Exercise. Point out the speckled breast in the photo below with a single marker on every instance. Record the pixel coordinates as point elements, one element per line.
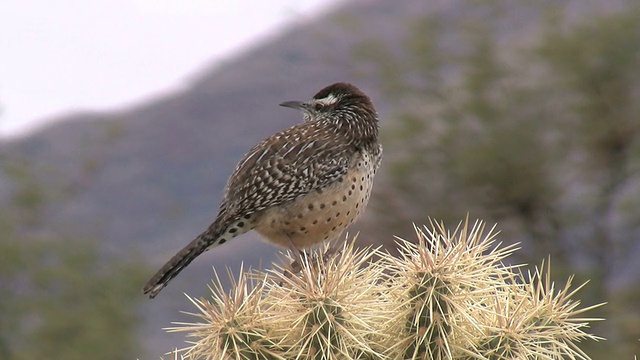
<point>324,213</point>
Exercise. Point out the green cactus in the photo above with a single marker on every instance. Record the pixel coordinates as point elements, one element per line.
<point>446,296</point>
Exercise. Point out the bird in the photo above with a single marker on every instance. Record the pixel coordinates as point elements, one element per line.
<point>300,187</point>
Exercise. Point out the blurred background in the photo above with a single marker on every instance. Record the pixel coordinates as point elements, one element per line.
<point>121,122</point>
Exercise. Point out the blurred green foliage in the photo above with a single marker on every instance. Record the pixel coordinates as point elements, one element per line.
<point>61,297</point>
<point>537,130</point>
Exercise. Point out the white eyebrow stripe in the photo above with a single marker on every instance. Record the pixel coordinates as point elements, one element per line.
<point>328,100</point>
<point>331,99</point>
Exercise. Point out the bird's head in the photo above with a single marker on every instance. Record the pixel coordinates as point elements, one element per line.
<point>341,104</point>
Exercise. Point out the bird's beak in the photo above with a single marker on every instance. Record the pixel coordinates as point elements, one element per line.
<point>295,105</point>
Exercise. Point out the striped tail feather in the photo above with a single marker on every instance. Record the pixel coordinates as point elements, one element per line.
<point>176,264</point>
<point>215,235</point>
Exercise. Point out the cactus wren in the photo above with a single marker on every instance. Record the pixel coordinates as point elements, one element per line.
<point>300,187</point>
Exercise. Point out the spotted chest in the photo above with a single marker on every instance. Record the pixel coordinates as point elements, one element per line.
<point>323,213</point>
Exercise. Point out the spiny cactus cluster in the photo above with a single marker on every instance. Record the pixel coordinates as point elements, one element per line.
<point>446,296</point>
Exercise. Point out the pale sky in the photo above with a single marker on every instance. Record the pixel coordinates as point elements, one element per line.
<point>61,56</point>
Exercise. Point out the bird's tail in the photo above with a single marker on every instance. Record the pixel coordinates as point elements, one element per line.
<point>178,262</point>
<point>217,234</point>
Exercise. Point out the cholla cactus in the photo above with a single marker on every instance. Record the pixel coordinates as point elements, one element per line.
<point>441,286</point>
<point>535,321</point>
<point>331,309</point>
<point>234,324</point>
<point>447,296</point>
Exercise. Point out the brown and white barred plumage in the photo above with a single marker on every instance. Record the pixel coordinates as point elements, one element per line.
<point>300,186</point>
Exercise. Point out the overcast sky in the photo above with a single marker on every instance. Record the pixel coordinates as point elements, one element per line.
<point>60,56</point>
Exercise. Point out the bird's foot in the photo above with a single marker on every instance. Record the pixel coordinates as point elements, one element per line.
<point>296,265</point>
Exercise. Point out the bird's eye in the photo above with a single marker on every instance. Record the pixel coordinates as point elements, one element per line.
<point>318,106</point>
